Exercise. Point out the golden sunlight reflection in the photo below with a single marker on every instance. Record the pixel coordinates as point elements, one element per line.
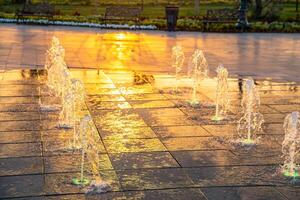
<point>120,36</point>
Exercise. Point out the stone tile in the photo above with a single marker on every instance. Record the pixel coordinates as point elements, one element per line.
<point>62,146</point>
<point>56,135</point>
<point>31,198</point>
<point>281,100</point>
<point>171,194</point>
<point>259,158</point>
<point>292,193</point>
<point>164,117</point>
<point>204,158</point>
<point>136,89</point>
<point>274,118</point>
<point>246,193</point>
<point>18,93</point>
<point>142,160</point>
<point>21,166</point>
<point>103,196</point>
<point>94,99</point>
<point>221,130</point>
<point>20,150</point>
<point>13,186</point>
<point>105,91</point>
<point>192,143</point>
<point>22,88</point>
<point>114,119</point>
<point>235,176</point>
<point>19,126</point>
<point>19,136</point>
<point>66,197</point>
<point>72,163</point>
<point>263,109</point>
<point>18,100</point>
<point>109,105</point>
<point>133,145</point>
<point>152,104</point>
<point>91,76</point>
<point>286,108</point>
<point>180,131</point>
<point>96,86</point>
<point>145,179</point>
<point>129,132</point>
<point>16,116</point>
<point>273,129</point>
<point>56,184</point>
<point>203,116</point>
<point>18,108</point>
<point>145,97</point>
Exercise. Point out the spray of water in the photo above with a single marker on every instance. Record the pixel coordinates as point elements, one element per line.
<point>55,65</point>
<point>251,122</point>
<point>222,99</point>
<point>198,70</point>
<point>291,145</point>
<point>78,104</point>
<point>67,114</point>
<point>177,63</point>
<point>89,157</point>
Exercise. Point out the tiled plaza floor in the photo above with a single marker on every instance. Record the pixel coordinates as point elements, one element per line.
<point>152,145</point>
<point>255,54</point>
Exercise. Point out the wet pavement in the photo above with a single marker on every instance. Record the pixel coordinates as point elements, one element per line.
<point>256,54</point>
<point>152,146</point>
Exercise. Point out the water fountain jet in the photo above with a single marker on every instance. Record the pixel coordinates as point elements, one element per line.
<point>89,155</point>
<point>291,145</point>
<point>198,70</point>
<point>222,99</point>
<point>177,63</point>
<point>251,122</point>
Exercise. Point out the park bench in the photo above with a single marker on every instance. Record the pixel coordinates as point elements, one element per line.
<point>122,13</point>
<point>36,10</point>
<point>220,16</point>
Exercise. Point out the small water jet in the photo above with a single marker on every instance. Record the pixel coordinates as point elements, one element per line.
<point>67,114</point>
<point>54,66</point>
<point>177,63</point>
<point>89,156</point>
<point>291,145</point>
<point>222,99</point>
<point>251,122</point>
<point>78,105</point>
<point>198,70</point>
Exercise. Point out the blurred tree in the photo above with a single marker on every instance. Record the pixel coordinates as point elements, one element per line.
<point>258,8</point>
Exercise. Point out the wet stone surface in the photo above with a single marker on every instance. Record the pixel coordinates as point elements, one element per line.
<point>153,145</point>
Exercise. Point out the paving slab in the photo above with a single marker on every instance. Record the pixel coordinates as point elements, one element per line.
<point>142,179</point>
<point>20,150</point>
<point>164,117</point>
<point>205,158</point>
<point>21,166</point>
<point>192,143</point>
<point>134,145</point>
<point>180,131</point>
<point>56,184</point>
<point>290,192</point>
<point>20,137</point>
<point>72,163</point>
<point>245,193</point>
<point>19,126</point>
<point>143,160</point>
<point>13,186</point>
